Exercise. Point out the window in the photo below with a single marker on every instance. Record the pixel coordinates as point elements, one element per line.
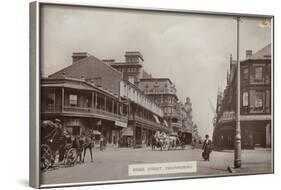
<point>258,73</point>
<point>268,101</point>
<point>259,100</point>
<point>73,100</point>
<point>245,73</point>
<point>245,99</point>
<point>51,98</point>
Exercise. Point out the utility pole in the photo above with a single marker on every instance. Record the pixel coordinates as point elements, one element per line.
<point>237,151</point>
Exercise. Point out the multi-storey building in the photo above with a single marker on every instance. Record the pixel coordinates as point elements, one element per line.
<point>176,114</point>
<point>255,104</point>
<point>163,92</point>
<point>82,105</point>
<point>91,94</point>
<point>132,69</point>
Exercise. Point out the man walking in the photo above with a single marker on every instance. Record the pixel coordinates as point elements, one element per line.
<point>88,145</point>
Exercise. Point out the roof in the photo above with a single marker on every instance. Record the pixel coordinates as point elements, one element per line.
<point>123,64</point>
<point>84,67</point>
<point>74,84</point>
<point>155,79</point>
<point>91,68</point>
<point>264,54</point>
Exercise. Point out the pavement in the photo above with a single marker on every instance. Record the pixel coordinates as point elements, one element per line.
<point>112,164</point>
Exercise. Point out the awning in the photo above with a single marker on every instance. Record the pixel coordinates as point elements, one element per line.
<point>121,124</point>
<point>184,130</point>
<point>156,119</point>
<point>96,132</point>
<point>127,132</point>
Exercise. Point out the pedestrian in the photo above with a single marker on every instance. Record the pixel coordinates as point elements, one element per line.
<point>207,148</point>
<point>76,144</point>
<point>101,142</point>
<point>193,143</point>
<point>221,143</point>
<point>61,139</point>
<point>88,145</point>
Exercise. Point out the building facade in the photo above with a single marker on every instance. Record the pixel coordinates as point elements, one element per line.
<point>176,115</point>
<point>90,94</point>
<point>82,106</point>
<point>255,107</point>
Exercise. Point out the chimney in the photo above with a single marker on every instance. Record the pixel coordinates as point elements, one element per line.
<point>248,53</point>
<point>76,56</point>
<point>108,61</point>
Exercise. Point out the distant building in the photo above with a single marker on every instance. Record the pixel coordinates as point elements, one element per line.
<point>176,114</point>
<point>255,103</point>
<point>160,90</point>
<point>163,92</point>
<point>132,68</point>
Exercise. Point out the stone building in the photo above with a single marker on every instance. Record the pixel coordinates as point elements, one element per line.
<point>255,107</point>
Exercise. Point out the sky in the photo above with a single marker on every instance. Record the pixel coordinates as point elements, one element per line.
<point>192,50</point>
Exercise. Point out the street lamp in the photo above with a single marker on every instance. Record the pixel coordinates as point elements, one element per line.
<point>237,151</point>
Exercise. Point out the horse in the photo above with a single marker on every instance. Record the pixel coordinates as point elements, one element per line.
<point>160,141</point>
<point>54,139</point>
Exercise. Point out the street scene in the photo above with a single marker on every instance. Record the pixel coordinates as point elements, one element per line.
<point>153,99</point>
<point>258,161</point>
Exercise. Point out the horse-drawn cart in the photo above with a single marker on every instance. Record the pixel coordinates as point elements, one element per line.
<point>54,140</point>
<point>166,142</point>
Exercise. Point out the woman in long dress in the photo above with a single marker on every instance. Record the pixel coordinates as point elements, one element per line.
<point>207,148</point>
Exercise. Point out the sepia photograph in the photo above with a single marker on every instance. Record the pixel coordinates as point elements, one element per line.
<point>131,94</point>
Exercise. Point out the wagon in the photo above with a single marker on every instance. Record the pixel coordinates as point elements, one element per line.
<point>53,140</point>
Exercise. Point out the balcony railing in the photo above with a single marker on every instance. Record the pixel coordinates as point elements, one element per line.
<point>83,110</point>
<point>51,108</point>
<point>146,121</point>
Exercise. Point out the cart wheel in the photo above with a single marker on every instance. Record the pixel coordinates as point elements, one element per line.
<point>46,157</point>
<point>71,157</point>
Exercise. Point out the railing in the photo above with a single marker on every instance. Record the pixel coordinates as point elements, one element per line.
<point>146,121</point>
<point>94,111</point>
<point>51,108</point>
<point>83,110</point>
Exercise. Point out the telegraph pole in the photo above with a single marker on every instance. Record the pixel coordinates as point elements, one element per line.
<point>237,151</point>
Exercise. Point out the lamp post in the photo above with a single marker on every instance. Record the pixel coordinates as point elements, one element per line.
<point>237,151</point>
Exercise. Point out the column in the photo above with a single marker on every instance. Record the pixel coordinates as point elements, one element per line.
<point>112,106</point>
<point>96,100</point>
<point>104,103</point>
<point>268,135</point>
<point>93,100</point>
<point>62,99</point>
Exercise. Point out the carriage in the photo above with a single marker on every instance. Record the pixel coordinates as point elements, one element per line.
<point>54,140</point>
<point>167,142</point>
